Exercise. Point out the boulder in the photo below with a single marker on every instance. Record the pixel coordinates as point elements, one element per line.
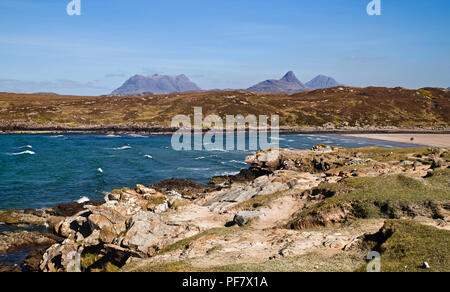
<point>65,257</point>
<point>139,236</point>
<point>267,159</point>
<point>243,217</point>
<point>406,163</point>
<point>143,190</point>
<point>437,163</point>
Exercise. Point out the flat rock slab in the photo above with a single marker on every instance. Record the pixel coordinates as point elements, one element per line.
<point>10,241</point>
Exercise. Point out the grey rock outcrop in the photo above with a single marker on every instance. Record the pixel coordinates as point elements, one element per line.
<point>129,223</point>
<point>243,217</point>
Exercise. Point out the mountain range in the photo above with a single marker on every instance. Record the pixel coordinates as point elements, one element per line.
<point>290,84</point>
<point>165,84</point>
<point>156,84</point>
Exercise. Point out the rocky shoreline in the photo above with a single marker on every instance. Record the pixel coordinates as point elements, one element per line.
<point>28,129</point>
<point>272,211</point>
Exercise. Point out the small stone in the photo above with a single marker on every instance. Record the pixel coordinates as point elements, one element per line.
<point>143,190</point>
<point>283,252</point>
<point>426,265</point>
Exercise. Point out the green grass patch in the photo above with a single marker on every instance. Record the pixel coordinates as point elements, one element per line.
<point>398,154</point>
<point>405,245</point>
<point>385,196</point>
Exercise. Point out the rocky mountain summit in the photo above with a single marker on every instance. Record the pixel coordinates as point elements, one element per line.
<point>156,84</point>
<point>271,217</point>
<point>322,81</point>
<point>290,84</point>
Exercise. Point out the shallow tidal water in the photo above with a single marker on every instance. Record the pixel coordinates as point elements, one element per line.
<point>39,170</point>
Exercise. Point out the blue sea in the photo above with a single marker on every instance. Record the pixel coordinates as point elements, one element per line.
<point>43,170</point>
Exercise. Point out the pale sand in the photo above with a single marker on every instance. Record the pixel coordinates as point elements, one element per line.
<point>435,140</point>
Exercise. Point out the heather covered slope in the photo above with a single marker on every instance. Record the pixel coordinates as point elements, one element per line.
<point>340,107</point>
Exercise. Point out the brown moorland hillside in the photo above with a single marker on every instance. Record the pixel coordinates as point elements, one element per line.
<point>338,107</point>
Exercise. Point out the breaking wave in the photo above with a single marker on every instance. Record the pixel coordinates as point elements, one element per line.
<point>122,148</point>
<point>23,153</point>
<point>82,200</point>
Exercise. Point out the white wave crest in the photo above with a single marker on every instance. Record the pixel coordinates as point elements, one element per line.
<point>24,152</point>
<point>27,146</point>
<point>239,162</point>
<point>148,156</point>
<point>194,168</point>
<point>122,148</point>
<point>228,173</point>
<point>82,200</point>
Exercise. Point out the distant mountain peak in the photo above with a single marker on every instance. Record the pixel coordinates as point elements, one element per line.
<point>157,84</point>
<point>322,81</point>
<point>287,84</point>
<point>290,77</point>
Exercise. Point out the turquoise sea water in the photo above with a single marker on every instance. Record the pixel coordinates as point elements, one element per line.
<point>44,170</point>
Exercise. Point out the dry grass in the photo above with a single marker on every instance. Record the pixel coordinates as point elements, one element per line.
<point>341,107</point>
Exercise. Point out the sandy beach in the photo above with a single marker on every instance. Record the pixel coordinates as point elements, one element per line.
<point>436,140</point>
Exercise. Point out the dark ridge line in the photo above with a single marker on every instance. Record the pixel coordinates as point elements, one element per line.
<point>169,131</point>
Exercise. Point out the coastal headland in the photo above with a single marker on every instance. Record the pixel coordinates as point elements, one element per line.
<point>322,209</point>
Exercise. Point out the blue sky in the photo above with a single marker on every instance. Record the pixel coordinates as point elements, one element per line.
<point>221,44</point>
